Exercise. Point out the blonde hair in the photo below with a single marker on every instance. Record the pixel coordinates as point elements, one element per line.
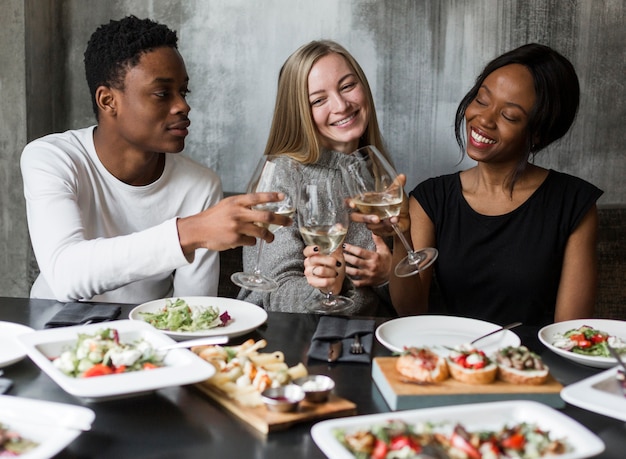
<point>293,131</point>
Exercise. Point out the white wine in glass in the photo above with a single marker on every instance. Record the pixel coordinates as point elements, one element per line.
<point>271,170</point>
<point>323,220</point>
<point>375,190</point>
<point>327,238</point>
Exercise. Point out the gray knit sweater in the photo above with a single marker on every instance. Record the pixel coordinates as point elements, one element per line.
<point>283,260</point>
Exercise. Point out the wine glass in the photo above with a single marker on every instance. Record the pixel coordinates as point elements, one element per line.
<point>323,220</point>
<point>271,171</point>
<point>375,190</point>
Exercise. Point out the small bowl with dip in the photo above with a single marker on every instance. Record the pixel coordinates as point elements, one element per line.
<point>283,398</point>
<point>316,388</point>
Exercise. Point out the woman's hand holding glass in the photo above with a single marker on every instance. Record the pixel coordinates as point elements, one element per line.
<point>323,220</point>
<point>324,272</point>
<point>368,268</point>
<point>377,190</point>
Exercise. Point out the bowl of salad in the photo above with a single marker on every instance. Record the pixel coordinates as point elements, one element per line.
<point>585,341</point>
<point>112,359</point>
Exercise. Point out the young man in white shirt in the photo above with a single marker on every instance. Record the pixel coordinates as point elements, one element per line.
<point>115,213</point>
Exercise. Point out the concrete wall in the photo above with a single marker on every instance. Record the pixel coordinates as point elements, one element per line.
<point>421,56</point>
<point>14,242</point>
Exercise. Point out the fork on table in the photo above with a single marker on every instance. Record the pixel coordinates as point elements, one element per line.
<point>356,347</point>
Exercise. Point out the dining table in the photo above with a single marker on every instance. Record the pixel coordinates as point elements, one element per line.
<point>182,422</point>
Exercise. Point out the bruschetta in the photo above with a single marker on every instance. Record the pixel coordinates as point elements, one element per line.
<point>519,365</point>
<point>471,366</point>
<point>422,365</point>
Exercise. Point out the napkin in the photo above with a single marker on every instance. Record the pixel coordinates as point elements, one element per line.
<point>330,329</point>
<point>80,313</point>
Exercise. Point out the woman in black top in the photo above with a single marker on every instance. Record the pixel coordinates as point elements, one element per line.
<point>516,241</point>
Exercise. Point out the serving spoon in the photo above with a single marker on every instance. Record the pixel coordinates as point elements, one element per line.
<point>498,330</point>
<point>615,354</point>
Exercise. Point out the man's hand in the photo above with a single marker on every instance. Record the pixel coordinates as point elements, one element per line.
<point>230,223</point>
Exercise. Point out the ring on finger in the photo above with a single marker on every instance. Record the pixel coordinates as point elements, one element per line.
<point>313,270</point>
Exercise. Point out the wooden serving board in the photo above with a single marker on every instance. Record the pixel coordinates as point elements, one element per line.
<point>267,421</point>
<point>401,395</point>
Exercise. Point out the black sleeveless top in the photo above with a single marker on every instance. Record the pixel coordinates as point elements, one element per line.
<point>504,268</point>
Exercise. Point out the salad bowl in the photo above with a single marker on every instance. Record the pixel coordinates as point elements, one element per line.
<point>179,366</point>
<point>551,334</point>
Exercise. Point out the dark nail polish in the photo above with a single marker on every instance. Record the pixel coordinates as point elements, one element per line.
<point>316,249</point>
<point>338,264</point>
<point>343,246</point>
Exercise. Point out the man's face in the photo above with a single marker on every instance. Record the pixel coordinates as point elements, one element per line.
<point>151,110</point>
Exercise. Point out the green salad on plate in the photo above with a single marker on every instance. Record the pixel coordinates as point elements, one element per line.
<point>179,316</point>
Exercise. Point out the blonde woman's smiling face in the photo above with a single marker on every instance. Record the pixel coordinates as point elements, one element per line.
<point>338,103</point>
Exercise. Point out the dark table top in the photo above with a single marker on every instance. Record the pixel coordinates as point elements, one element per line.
<point>181,422</point>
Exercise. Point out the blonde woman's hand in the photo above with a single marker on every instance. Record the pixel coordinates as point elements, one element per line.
<point>324,272</point>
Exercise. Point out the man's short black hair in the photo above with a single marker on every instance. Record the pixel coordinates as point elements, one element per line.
<point>117,46</point>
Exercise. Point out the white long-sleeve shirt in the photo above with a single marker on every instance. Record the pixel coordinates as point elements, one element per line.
<point>97,238</point>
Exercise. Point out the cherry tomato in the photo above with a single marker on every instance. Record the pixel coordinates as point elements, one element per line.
<point>577,337</point>
<point>461,360</point>
<point>584,343</point>
<point>599,338</point>
<point>149,366</point>
<point>98,369</point>
<point>380,450</point>
<point>515,441</point>
<point>401,441</point>
<point>458,441</point>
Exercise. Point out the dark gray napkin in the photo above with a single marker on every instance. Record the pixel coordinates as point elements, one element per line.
<point>80,313</point>
<point>330,329</point>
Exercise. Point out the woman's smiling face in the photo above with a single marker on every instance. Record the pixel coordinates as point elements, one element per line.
<point>338,103</point>
<point>497,118</point>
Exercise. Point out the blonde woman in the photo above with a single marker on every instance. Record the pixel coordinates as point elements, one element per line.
<point>324,110</point>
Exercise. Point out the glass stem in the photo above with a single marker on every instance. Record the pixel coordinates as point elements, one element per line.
<point>257,269</point>
<point>413,257</point>
<point>405,243</point>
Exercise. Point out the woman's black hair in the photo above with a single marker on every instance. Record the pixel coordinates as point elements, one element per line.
<point>117,46</point>
<point>557,94</point>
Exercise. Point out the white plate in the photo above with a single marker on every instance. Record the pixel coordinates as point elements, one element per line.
<point>245,316</point>
<point>439,332</point>
<point>492,415</point>
<point>10,349</point>
<point>599,393</point>
<point>612,327</point>
<point>181,366</point>
<point>52,425</point>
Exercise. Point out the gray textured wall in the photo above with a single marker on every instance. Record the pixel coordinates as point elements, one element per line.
<point>14,242</point>
<point>421,56</point>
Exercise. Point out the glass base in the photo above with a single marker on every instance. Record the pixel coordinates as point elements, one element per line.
<point>416,262</point>
<point>332,305</point>
<point>252,281</point>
